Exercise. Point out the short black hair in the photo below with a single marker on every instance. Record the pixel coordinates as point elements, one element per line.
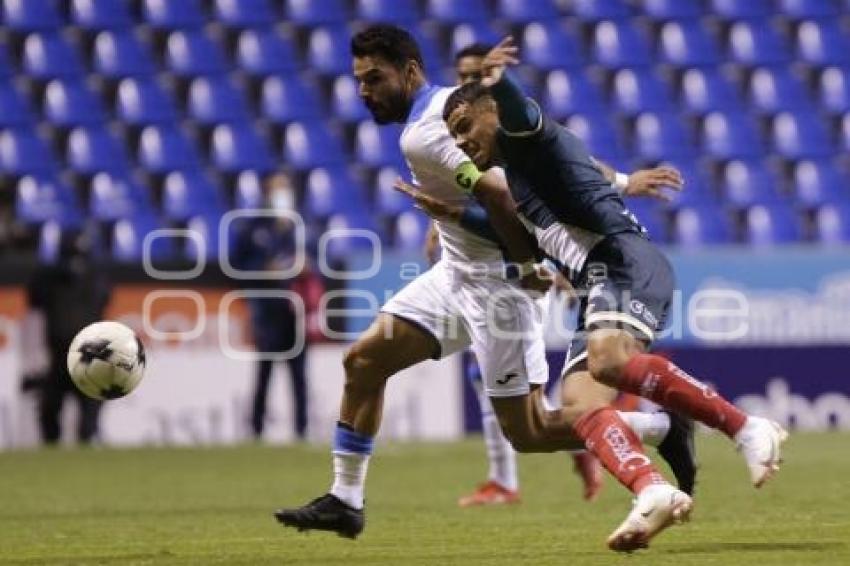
<point>473,50</point>
<point>466,94</point>
<point>389,42</point>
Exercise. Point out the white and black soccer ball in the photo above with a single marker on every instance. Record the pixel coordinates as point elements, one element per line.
<point>106,360</point>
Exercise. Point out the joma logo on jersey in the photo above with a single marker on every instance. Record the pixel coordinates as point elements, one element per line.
<point>507,378</point>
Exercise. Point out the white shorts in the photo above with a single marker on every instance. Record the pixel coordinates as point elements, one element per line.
<point>499,320</point>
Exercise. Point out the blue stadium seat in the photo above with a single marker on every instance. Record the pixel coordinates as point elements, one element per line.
<point>770,225</point>
<point>388,201</point>
<point>285,99</point>
<point>525,11</point>
<point>187,193</point>
<point>453,12</point>
<point>660,135</point>
<point>163,149</point>
<point>818,182</point>
<point>699,226</point>
<point>264,52</point>
<point>308,144</point>
<point>755,43</point>
<point>22,152</point>
<point>834,89</point>
<point>738,10</point>
<point>706,90</point>
<point>192,53</point>
<point>170,15</point>
<point>113,197</point>
<point>597,133</point>
<point>47,56</point>
<point>598,10</point>
<point>331,190</point>
<point>549,46</point>
<point>346,103</point>
<point>92,149</point>
<point>639,90</point>
<point>141,102</point>
<point>100,15</point>
<point>468,33</point>
<point>822,43</point>
<point>328,50</point>
<point>311,13</point>
<point>687,44</point>
<point>244,13</point>
<point>42,198</point>
<point>377,145</point>
<point>249,190</point>
<point>746,183</point>
<point>410,230</point>
<point>14,109</point>
<point>391,11</point>
<point>844,139</point>
<point>665,10</point>
<point>128,236</point>
<point>773,90</point>
<point>206,225</point>
<point>798,135</point>
<point>5,63</point>
<point>570,92</point>
<point>118,54</point>
<point>214,100</point>
<point>729,135</point>
<point>69,103</point>
<point>618,44</point>
<point>345,243</point>
<point>238,147</point>
<point>803,9</point>
<point>30,15</point>
<point>832,224</point>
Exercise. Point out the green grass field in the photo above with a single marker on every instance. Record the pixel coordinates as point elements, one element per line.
<point>214,507</point>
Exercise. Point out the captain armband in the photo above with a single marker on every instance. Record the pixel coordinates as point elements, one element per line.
<point>466,176</point>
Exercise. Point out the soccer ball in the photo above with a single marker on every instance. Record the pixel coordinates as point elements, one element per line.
<point>106,360</point>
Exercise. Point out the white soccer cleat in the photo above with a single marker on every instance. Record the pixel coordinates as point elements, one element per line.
<point>760,442</point>
<point>656,508</point>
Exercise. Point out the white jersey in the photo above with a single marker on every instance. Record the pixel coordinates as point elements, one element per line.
<point>433,158</point>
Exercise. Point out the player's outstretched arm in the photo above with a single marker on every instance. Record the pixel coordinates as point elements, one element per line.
<point>644,182</point>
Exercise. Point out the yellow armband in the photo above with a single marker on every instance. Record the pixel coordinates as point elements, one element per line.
<point>466,175</point>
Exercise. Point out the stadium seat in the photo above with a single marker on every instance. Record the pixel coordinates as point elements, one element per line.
<point>803,9</point>
<point>392,11</point>
<point>770,225</point>
<point>388,201</point>
<point>5,63</point>
<point>525,11</point>
<point>141,102</point>
<point>659,135</point>
<point>206,226</point>
<point>92,149</point>
<point>327,50</point>
<point>834,89</point>
<point>746,183</point>
<point>192,53</point>
<point>163,148</point>
<point>285,99</point>
<point>331,190</point>
<point>755,44</point>
<point>844,139</point>
<point>309,144</point>
<point>346,103</point>
<point>128,236</point>
<point>706,90</point>
<point>729,135</point>
<point>687,44</point>
<point>598,10</point>
<point>772,90</point>
<point>310,13</point>
<point>187,193</point>
<point>14,109</point>
<point>570,92</point>
<point>24,16</point>
<point>94,15</point>
<point>345,243</point>
<point>549,46</point>
<point>377,145</point>
<point>799,135</point>
<point>700,226</point>
<point>822,43</point>
<point>244,13</point>
<point>113,197</point>
<point>249,190</point>
<point>264,52</point>
<point>468,33</point>
<point>236,147</point>
<point>47,56</point>
<point>679,10</point>
<point>738,10</point>
<point>214,100</point>
<point>42,198</point>
<point>410,230</point>
<point>69,103</point>
<point>452,12</point>
<point>639,90</point>
<point>618,44</point>
<point>118,54</point>
<point>818,182</point>
<point>597,133</point>
<point>832,224</point>
<point>170,15</point>
<point>22,152</point>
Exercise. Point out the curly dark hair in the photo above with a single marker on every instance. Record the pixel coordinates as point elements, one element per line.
<point>466,94</point>
<point>388,42</point>
<point>473,50</point>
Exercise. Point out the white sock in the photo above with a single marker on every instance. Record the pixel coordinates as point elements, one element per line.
<point>350,477</point>
<point>501,456</point>
<point>651,428</point>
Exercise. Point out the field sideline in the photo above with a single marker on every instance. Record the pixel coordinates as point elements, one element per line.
<point>213,506</point>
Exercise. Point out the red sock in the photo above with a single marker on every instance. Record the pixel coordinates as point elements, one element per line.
<point>618,448</point>
<point>661,381</point>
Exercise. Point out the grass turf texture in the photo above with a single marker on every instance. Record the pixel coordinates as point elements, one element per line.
<point>213,506</point>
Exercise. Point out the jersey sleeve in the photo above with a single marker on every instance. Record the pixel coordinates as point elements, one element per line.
<point>451,163</point>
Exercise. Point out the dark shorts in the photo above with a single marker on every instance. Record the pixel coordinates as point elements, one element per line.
<point>626,283</point>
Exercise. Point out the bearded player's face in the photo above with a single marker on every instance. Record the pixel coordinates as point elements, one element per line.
<point>385,89</point>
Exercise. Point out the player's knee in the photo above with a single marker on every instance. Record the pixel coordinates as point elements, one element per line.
<point>606,355</point>
<point>574,409</point>
<point>521,439</point>
<point>362,368</point>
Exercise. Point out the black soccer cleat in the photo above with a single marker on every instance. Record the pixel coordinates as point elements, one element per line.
<point>325,513</point>
<point>679,452</point>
